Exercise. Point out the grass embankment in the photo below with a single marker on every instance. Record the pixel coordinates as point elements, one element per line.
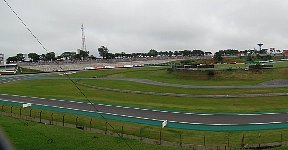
<point>65,89</point>
<point>31,135</point>
<point>238,77</point>
<point>37,134</point>
<point>129,85</point>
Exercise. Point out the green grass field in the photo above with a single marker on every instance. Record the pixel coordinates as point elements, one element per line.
<point>44,132</point>
<point>34,136</point>
<point>239,77</point>
<point>66,90</point>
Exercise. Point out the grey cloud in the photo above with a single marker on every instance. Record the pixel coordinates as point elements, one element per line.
<point>139,25</point>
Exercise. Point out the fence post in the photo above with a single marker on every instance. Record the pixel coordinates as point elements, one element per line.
<point>160,138</point>
<point>204,140</point>
<point>259,136</point>
<point>228,140</point>
<point>11,110</point>
<point>90,123</point>
<point>76,121</point>
<point>20,112</point>
<point>63,120</point>
<point>30,115</point>
<point>106,127</point>
<point>51,122</point>
<point>281,138</point>
<point>242,141</point>
<point>141,138</point>
<point>41,116</point>
<point>122,131</point>
<point>180,140</point>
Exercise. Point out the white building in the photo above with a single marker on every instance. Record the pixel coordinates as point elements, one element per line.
<point>1,58</point>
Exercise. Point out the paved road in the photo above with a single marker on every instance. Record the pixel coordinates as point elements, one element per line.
<point>189,118</point>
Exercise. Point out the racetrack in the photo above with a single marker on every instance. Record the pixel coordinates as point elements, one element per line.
<point>202,121</point>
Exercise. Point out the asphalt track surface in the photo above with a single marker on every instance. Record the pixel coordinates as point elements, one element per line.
<point>180,117</point>
<point>195,119</point>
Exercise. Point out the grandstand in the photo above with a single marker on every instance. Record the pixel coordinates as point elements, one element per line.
<point>8,69</point>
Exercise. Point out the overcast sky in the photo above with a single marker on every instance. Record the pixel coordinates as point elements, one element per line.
<point>140,25</point>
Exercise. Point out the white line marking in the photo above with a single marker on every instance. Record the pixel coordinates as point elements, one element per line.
<point>248,114</point>
<point>55,106</point>
<point>23,96</point>
<point>145,118</point>
<point>75,109</point>
<point>136,108</point>
<point>53,99</point>
<point>72,101</point>
<point>271,113</point>
<point>91,111</point>
<point>189,113</point>
<point>144,109</point>
<point>69,108</point>
<point>126,107</point>
<point>4,100</point>
<point>108,113</point>
<point>108,105</point>
<point>42,98</point>
<point>61,100</point>
<point>204,114</point>
<point>275,122</point>
<point>257,123</point>
<point>130,116</point>
<point>15,95</point>
<point>4,94</point>
<point>115,114</point>
<point>183,122</point>
<point>222,124</point>
<point>195,123</point>
<point>172,121</point>
<point>175,112</point>
<point>84,110</point>
<point>164,111</point>
<point>80,102</point>
<point>34,97</point>
<point>39,104</point>
<point>100,104</point>
<point>118,106</point>
<point>61,107</point>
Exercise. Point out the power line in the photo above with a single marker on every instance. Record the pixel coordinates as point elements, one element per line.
<point>75,84</point>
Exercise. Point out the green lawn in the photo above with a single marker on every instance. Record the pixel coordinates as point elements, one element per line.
<point>65,89</point>
<point>129,85</point>
<point>34,136</point>
<point>38,134</point>
<point>238,77</point>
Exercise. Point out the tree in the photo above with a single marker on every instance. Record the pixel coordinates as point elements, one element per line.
<point>12,59</point>
<point>103,51</point>
<point>20,57</point>
<point>197,53</point>
<point>68,55</point>
<point>153,53</point>
<point>218,57</point>
<point>50,56</point>
<point>34,57</point>
<point>84,54</point>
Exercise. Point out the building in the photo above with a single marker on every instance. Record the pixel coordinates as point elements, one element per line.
<point>285,53</point>
<point>1,58</point>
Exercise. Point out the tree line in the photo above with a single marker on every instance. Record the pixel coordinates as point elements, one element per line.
<point>103,52</point>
